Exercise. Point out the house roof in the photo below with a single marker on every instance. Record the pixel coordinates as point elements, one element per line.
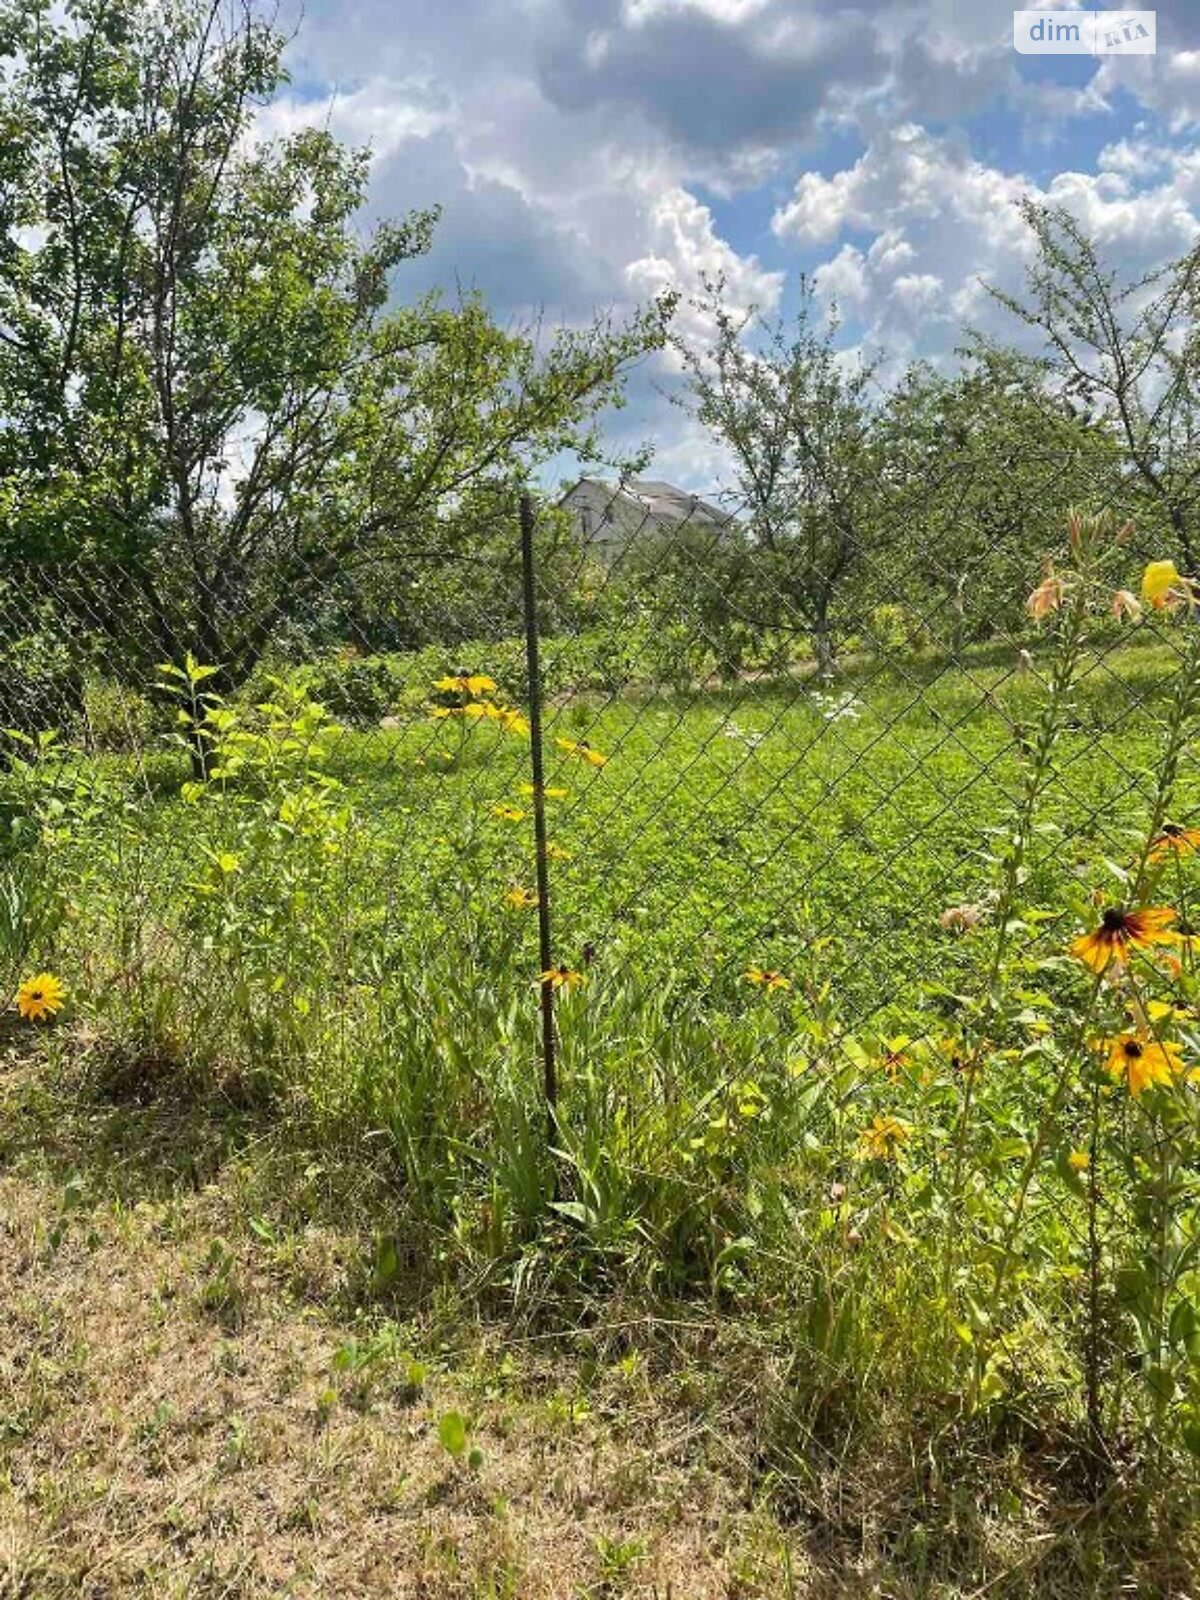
<point>662,500</point>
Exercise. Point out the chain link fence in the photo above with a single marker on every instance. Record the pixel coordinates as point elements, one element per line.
<point>731,803</point>
<point>743,763</point>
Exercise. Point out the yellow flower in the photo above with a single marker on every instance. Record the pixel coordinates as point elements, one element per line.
<point>466,683</point>
<point>522,899</point>
<point>883,1138</point>
<point>1164,587</point>
<point>439,712</point>
<point>767,978</point>
<point>1079,1161</point>
<point>1173,838</point>
<point>557,853</point>
<point>509,813</point>
<point>561,978</point>
<point>1141,1062</point>
<point>41,997</point>
<point>1163,1011</point>
<point>549,791</point>
<point>892,1056</point>
<point>1120,931</point>
<point>513,721</point>
<point>582,749</point>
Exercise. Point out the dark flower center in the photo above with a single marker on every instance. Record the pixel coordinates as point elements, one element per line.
<point>1172,830</point>
<point>1132,1049</point>
<point>1114,920</point>
<point>36,995</point>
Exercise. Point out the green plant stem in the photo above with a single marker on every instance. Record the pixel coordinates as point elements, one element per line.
<point>1095,1412</point>
<point>1042,1138</point>
<point>1183,706</point>
<point>1066,664</point>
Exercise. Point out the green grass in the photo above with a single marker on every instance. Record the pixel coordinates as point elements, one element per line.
<point>743,826</point>
<point>332,963</point>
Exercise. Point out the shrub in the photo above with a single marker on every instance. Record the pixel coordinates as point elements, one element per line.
<point>115,719</point>
<point>40,684</point>
<point>359,690</point>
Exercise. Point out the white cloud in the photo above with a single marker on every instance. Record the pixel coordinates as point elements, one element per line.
<point>940,222</point>
<point>572,143</point>
<point>843,279</point>
<point>1167,83</point>
<point>1135,158</point>
<point>684,249</point>
<point>733,12</point>
<point>381,113</point>
<point>918,291</point>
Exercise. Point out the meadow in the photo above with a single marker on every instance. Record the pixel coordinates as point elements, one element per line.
<point>847,1101</point>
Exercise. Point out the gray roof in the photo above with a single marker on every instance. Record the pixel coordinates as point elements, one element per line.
<point>663,500</point>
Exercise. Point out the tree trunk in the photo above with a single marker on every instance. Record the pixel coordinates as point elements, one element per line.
<point>822,640</point>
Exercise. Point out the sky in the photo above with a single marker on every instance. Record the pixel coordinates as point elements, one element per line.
<point>588,154</point>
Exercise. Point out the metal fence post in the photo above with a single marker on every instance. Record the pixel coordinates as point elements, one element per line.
<point>545,944</point>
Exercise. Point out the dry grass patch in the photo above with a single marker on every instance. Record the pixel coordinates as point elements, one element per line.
<point>201,1396</point>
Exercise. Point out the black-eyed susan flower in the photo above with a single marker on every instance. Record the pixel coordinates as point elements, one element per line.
<point>1079,1161</point>
<point>513,722</point>
<point>1157,1011</point>
<point>556,852</point>
<point>883,1138</point>
<point>509,813</point>
<point>521,899</point>
<point>1174,840</point>
<point>550,791</point>
<point>1140,1062</point>
<point>440,713</point>
<point>473,683</point>
<point>1121,931</point>
<point>582,749</point>
<point>562,978</point>
<point>767,978</point>
<point>41,997</point>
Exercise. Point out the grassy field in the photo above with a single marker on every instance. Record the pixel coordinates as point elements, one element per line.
<point>869,1278</point>
<point>203,1393</point>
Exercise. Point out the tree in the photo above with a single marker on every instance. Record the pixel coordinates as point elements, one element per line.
<point>468,590</point>
<point>1127,352</point>
<point>208,411</point>
<point>799,425</point>
<point>986,462</point>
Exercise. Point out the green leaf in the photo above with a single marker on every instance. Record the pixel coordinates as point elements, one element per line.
<point>453,1433</point>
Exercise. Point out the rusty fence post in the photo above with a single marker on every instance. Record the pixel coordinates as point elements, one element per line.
<point>537,765</point>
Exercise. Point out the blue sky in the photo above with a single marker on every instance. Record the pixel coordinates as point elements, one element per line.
<point>589,153</point>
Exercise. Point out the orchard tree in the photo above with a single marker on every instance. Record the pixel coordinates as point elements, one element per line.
<point>985,462</point>
<point>1126,351</point>
<point>210,407</point>
<point>799,425</point>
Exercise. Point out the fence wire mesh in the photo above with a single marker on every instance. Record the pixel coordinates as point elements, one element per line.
<point>733,781</point>
<point>293,815</point>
